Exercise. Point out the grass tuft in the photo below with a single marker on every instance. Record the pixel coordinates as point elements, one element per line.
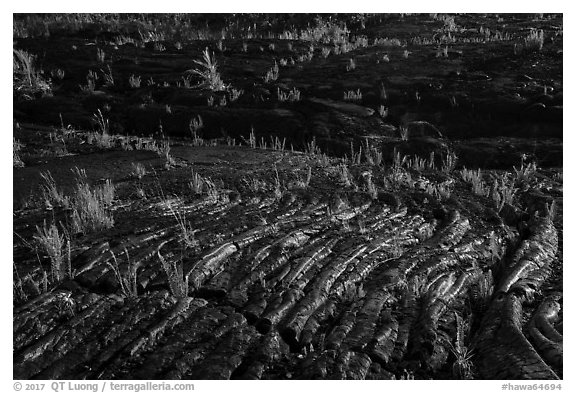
<point>128,278</point>
<point>28,82</point>
<point>16,160</point>
<point>90,205</point>
<point>50,193</point>
<point>57,247</point>
<point>208,72</point>
<point>177,282</point>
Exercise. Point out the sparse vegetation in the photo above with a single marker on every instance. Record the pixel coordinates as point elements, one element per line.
<point>51,195</point>
<point>28,81</point>
<point>184,226</point>
<point>100,55</point>
<point>292,95</point>
<point>322,223</point>
<point>57,247</point>
<point>138,170</point>
<point>351,95</point>
<point>534,41</point>
<point>475,179</point>
<point>449,162</point>
<point>90,86</point>
<point>272,74</point>
<point>383,111</point>
<point>503,191</point>
<point>235,94</point>
<point>525,173</point>
<point>403,130</point>
<point>208,72</point>
<point>351,65</point>
<point>176,280</point>
<point>134,81</point>
<point>128,277</point>
<point>90,205</point>
<point>16,148</point>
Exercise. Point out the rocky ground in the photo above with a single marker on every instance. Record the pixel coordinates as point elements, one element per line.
<point>274,228</point>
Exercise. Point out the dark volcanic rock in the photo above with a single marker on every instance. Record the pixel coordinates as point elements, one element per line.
<point>345,107</point>
<point>422,129</point>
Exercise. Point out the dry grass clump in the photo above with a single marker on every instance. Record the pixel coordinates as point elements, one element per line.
<point>126,278</point>
<point>208,72</point>
<point>101,137</point>
<point>502,191</point>
<point>272,74</point>
<point>354,96</point>
<point>203,185</point>
<point>526,173</point>
<point>292,95</point>
<point>16,160</point>
<point>534,42</point>
<point>138,170</point>
<point>57,247</point>
<point>177,281</point>
<point>474,178</point>
<point>28,82</point>
<point>90,205</point>
<point>51,194</point>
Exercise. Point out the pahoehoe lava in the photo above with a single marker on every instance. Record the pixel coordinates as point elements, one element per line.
<point>287,196</point>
